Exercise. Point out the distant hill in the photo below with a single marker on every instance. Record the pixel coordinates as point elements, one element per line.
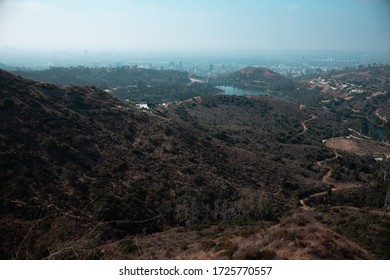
<point>375,76</point>
<point>259,77</point>
<point>372,89</point>
<point>87,176</point>
<point>104,77</point>
<point>132,83</point>
<point>361,95</point>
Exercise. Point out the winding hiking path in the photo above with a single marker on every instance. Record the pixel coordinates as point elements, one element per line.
<point>327,179</point>
<point>305,128</point>
<point>336,187</point>
<point>379,116</point>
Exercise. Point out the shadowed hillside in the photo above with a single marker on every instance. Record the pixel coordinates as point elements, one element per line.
<point>83,173</point>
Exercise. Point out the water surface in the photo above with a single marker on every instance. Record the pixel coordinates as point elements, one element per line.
<point>236,91</point>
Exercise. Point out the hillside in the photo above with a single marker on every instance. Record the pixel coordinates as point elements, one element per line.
<point>85,175</point>
<point>258,78</point>
<point>365,90</point>
<point>104,77</point>
<point>360,95</point>
<point>126,83</point>
<point>75,156</point>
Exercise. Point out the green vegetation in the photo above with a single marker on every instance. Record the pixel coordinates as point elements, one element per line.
<point>105,77</point>
<point>133,83</point>
<point>163,92</point>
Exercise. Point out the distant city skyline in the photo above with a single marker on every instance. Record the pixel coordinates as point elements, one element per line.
<point>195,26</point>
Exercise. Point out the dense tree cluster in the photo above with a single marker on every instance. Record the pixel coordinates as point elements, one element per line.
<point>105,77</point>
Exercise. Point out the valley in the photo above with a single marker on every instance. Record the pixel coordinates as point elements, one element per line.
<point>205,175</point>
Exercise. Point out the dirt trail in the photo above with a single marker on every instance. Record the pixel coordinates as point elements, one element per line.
<point>379,116</point>
<point>305,128</point>
<point>327,179</point>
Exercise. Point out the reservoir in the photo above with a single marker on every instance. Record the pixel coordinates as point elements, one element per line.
<point>236,91</point>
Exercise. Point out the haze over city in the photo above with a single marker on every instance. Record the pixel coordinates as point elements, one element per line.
<point>195,26</point>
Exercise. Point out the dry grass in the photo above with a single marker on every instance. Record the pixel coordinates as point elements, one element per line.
<point>360,147</point>
<point>299,237</point>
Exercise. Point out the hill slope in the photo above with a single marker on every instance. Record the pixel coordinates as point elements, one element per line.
<point>77,156</point>
<point>135,84</point>
<point>84,173</point>
<point>259,77</point>
<point>104,77</point>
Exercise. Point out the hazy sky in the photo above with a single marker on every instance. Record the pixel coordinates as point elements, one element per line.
<point>196,25</point>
